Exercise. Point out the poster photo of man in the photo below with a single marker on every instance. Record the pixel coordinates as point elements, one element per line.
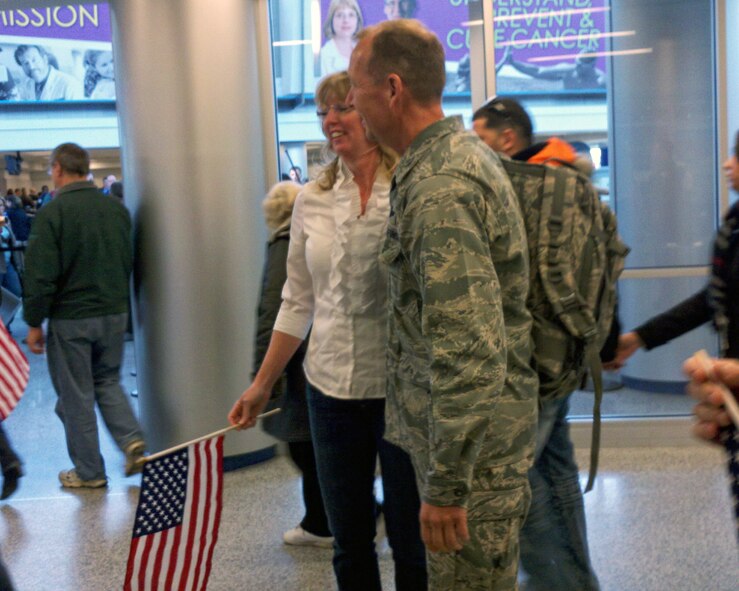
<point>50,70</point>
<point>56,54</point>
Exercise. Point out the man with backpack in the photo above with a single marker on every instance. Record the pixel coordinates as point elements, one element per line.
<point>554,548</point>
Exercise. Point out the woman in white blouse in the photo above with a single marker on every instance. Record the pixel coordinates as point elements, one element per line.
<point>336,284</point>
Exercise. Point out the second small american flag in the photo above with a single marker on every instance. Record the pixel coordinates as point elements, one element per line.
<point>177,520</point>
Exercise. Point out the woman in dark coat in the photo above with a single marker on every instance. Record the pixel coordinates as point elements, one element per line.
<point>291,423</point>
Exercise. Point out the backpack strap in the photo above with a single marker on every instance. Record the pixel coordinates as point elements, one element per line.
<point>558,277</point>
<point>592,357</point>
<point>558,280</point>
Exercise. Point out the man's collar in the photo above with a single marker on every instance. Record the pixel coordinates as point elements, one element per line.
<point>423,142</point>
<point>75,186</point>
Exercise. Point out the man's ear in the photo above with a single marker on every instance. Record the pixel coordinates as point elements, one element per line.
<point>509,140</point>
<point>395,88</point>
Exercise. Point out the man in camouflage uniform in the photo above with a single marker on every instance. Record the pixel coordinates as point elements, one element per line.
<point>461,397</point>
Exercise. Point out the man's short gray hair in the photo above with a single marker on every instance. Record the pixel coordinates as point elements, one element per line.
<point>72,159</point>
<point>407,48</point>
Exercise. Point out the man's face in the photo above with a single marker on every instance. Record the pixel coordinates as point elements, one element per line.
<point>731,169</point>
<point>55,172</point>
<point>108,180</point>
<point>494,138</point>
<point>392,9</point>
<point>366,95</point>
<point>35,65</point>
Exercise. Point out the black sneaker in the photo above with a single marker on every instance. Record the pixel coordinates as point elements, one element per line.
<point>10,480</point>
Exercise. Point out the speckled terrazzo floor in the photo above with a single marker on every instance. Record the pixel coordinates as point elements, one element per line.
<point>659,518</point>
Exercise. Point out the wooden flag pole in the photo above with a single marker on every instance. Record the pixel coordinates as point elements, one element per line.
<point>160,454</point>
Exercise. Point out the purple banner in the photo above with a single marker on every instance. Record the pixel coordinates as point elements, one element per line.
<point>541,45</point>
<point>549,46</point>
<point>444,17</point>
<point>78,22</point>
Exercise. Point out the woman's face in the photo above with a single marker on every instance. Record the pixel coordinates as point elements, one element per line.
<point>343,128</point>
<point>344,22</point>
<point>731,168</point>
<point>104,64</point>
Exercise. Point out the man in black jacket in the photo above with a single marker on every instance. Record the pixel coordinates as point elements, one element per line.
<point>78,264</point>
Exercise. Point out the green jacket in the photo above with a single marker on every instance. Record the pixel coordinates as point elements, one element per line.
<point>79,257</point>
<point>462,397</point>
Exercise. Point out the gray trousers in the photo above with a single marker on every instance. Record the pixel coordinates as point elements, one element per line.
<point>84,364</point>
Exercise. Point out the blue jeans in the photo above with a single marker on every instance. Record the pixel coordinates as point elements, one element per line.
<point>554,544</point>
<point>347,436</point>
<point>84,359</point>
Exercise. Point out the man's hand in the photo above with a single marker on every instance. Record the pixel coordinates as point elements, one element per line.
<point>443,529</point>
<point>710,412</point>
<point>35,340</point>
<point>251,403</point>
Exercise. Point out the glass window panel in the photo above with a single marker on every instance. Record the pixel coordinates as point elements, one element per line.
<point>633,90</point>
<point>634,82</point>
<point>307,45</point>
<point>664,133</point>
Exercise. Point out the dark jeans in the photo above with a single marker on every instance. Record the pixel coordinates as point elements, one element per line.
<point>347,435</point>
<point>315,520</point>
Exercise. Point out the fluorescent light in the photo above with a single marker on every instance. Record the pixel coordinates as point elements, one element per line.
<point>535,15</point>
<point>532,15</point>
<point>559,58</point>
<point>292,43</point>
<point>566,38</point>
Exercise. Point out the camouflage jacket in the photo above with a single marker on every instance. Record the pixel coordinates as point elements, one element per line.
<point>461,394</point>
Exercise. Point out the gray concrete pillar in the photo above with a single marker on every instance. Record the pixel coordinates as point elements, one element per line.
<point>196,162</point>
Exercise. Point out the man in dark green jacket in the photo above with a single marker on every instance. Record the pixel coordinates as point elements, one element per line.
<point>78,264</point>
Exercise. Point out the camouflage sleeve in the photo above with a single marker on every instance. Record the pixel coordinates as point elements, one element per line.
<point>462,323</point>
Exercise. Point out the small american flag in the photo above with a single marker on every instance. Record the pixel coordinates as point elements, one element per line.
<point>177,520</point>
<point>14,373</point>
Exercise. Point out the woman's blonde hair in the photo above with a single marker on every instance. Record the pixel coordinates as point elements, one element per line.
<point>335,87</point>
<point>328,24</point>
<point>278,204</point>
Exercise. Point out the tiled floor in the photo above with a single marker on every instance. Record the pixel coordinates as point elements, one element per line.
<point>659,518</point>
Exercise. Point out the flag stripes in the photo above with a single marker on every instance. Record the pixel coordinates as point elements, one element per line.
<point>14,373</point>
<point>176,527</point>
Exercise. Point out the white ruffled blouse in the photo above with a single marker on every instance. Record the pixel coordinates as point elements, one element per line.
<point>335,282</point>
